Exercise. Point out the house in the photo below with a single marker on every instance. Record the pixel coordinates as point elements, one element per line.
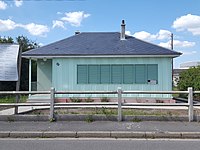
<point>103,61</point>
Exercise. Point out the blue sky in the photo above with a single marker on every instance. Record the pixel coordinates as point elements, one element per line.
<point>47,21</point>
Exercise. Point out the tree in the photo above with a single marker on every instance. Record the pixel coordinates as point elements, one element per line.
<point>6,40</point>
<point>190,78</point>
<point>25,44</point>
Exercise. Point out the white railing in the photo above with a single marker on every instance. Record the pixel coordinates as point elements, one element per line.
<point>119,104</point>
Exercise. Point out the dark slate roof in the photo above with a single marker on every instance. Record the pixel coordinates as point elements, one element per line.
<point>99,43</point>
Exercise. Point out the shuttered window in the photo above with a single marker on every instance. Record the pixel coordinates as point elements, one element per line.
<point>93,74</point>
<point>117,74</point>
<point>82,74</point>
<point>105,74</point>
<point>140,74</point>
<point>128,74</point>
<point>152,73</point>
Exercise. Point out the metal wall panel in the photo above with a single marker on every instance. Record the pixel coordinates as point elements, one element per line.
<point>65,75</point>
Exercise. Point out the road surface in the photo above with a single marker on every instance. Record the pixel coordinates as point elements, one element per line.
<point>99,144</point>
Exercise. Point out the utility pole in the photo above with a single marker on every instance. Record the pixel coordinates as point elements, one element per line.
<point>172,41</point>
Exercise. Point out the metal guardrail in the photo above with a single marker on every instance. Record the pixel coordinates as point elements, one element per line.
<point>119,105</point>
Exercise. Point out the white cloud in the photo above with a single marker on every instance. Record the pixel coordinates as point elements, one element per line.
<point>128,33</point>
<point>41,44</point>
<point>58,24</point>
<point>3,5</point>
<point>188,53</point>
<point>143,35</point>
<point>18,3</point>
<point>163,35</point>
<point>189,23</point>
<point>177,43</point>
<point>165,44</point>
<point>6,25</point>
<point>35,29</point>
<point>75,18</point>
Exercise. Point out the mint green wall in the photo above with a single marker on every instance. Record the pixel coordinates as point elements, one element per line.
<point>64,75</point>
<point>44,75</point>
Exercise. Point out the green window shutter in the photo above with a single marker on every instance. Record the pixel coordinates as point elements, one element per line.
<point>152,72</point>
<point>140,74</point>
<point>116,74</point>
<point>105,74</point>
<point>128,74</point>
<point>93,74</point>
<point>82,74</point>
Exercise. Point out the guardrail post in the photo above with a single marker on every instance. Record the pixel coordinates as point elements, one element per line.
<point>16,107</point>
<point>190,104</point>
<point>52,97</point>
<point>119,93</point>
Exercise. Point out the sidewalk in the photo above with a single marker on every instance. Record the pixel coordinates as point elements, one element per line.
<point>100,129</point>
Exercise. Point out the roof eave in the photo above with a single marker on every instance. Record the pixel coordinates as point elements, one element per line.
<point>96,56</point>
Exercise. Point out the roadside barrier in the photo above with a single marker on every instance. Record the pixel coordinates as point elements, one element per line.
<point>119,104</point>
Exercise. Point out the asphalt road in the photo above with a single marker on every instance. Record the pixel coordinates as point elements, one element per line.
<point>98,144</point>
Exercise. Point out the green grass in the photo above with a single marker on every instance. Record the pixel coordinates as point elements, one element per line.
<point>11,99</point>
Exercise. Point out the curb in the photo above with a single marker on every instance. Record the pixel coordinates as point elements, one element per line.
<point>98,134</point>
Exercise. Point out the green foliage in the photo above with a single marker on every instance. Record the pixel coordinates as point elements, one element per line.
<point>105,99</point>
<point>190,78</point>
<point>11,99</point>
<point>75,100</point>
<point>52,120</point>
<point>89,119</point>
<point>108,112</point>
<point>6,40</point>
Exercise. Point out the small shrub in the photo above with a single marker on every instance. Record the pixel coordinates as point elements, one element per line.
<point>89,119</point>
<point>89,100</point>
<point>108,112</point>
<point>105,99</point>
<point>52,120</point>
<point>75,100</point>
